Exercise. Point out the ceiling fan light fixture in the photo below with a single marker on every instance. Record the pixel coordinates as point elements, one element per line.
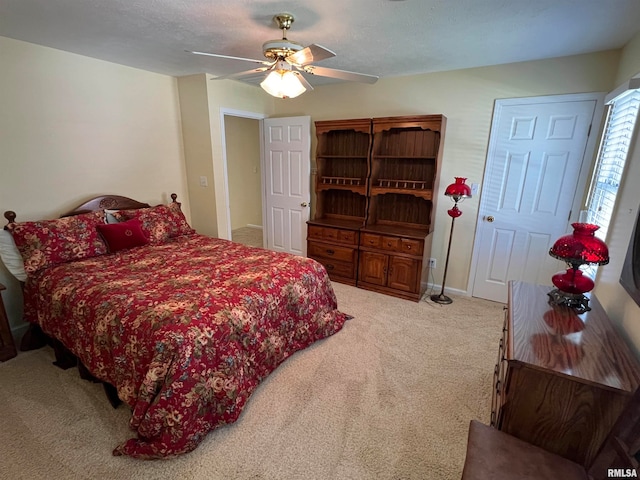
<point>283,84</point>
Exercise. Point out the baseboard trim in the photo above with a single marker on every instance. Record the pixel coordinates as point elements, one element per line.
<point>436,289</point>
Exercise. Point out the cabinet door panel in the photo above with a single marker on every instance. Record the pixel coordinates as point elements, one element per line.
<point>403,274</point>
<point>373,268</point>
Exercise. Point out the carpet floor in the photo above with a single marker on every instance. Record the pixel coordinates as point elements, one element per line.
<point>390,396</point>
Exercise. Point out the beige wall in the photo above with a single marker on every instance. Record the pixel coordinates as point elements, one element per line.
<point>208,99</point>
<point>629,61</point>
<point>244,100</point>
<point>242,140</point>
<point>466,98</point>
<point>615,300</point>
<point>72,127</point>
<point>198,151</point>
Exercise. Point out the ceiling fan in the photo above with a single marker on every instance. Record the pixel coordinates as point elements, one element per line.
<point>286,63</point>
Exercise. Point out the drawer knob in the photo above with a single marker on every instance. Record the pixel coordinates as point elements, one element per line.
<point>408,247</point>
<point>388,244</point>
<point>330,252</point>
<point>330,267</point>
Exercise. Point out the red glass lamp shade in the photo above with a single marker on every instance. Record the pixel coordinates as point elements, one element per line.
<point>458,190</point>
<point>581,247</point>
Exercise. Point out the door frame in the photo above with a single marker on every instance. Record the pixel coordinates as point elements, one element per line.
<point>585,169</point>
<point>226,233</point>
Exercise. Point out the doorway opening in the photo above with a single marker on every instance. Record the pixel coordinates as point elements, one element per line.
<point>243,178</point>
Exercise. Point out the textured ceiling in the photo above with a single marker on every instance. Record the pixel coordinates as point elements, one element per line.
<point>378,37</point>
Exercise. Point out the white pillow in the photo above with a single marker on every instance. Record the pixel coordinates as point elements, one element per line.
<point>10,256</point>
<point>108,216</point>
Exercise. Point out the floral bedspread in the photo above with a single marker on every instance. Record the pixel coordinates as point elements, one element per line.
<point>185,330</point>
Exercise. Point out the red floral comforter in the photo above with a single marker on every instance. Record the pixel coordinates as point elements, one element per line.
<point>184,330</point>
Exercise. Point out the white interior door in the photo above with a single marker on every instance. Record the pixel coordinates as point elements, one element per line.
<point>536,153</point>
<point>287,169</point>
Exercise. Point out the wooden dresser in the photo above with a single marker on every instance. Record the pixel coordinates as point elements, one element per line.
<point>561,379</point>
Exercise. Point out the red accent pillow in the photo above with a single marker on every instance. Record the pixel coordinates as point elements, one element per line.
<point>159,223</point>
<point>123,235</point>
<point>49,242</point>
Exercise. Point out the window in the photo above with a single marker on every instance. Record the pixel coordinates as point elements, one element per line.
<point>612,155</point>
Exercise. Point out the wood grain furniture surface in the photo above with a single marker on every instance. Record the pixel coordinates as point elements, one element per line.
<point>561,379</point>
<point>492,454</point>
<point>375,201</point>
<point>7,345</point>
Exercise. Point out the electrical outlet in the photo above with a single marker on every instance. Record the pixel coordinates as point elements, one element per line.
<point>432,263</point>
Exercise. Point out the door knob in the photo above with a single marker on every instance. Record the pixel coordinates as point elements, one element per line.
<point>304,204</point>
<point>490,218</point>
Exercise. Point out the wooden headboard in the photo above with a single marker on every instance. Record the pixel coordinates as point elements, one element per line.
<point>101,202</point>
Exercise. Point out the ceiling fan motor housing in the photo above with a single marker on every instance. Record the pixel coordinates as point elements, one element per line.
<point>274,49</point>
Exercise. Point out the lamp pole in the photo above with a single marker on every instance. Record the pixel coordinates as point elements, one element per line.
<point>442,298</point>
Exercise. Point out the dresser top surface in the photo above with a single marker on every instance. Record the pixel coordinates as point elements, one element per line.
<point>584,346</point>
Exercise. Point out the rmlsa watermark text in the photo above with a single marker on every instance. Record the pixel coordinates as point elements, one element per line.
<point>622,473</point>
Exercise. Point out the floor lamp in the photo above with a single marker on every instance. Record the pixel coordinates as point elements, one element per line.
<point>457,191</point>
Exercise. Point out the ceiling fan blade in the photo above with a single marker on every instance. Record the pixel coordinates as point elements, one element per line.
<point>229,57</point>
<point>303,81</point>
<point>310,54</point>
<point>340,74</point>
<point>246,74</point>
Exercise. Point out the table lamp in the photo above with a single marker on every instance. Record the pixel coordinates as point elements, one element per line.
<point>579,248</point>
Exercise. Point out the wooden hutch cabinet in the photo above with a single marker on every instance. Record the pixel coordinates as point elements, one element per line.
<point>561,379</point>
<point>375,199</point>
<point>342,160</point>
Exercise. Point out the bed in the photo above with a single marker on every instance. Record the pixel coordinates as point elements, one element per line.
<point>182,326</point>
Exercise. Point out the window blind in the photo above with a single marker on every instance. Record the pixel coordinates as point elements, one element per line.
<point>612,155</point>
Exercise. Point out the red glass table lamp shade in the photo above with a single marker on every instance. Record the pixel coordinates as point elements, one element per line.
<point>581,247</point>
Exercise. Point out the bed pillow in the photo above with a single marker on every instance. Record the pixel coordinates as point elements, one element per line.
<point>123,235</point>
<point>11,257</point>
<point>50,242</point>
<point>159,223</point>
<point>108,216</point>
